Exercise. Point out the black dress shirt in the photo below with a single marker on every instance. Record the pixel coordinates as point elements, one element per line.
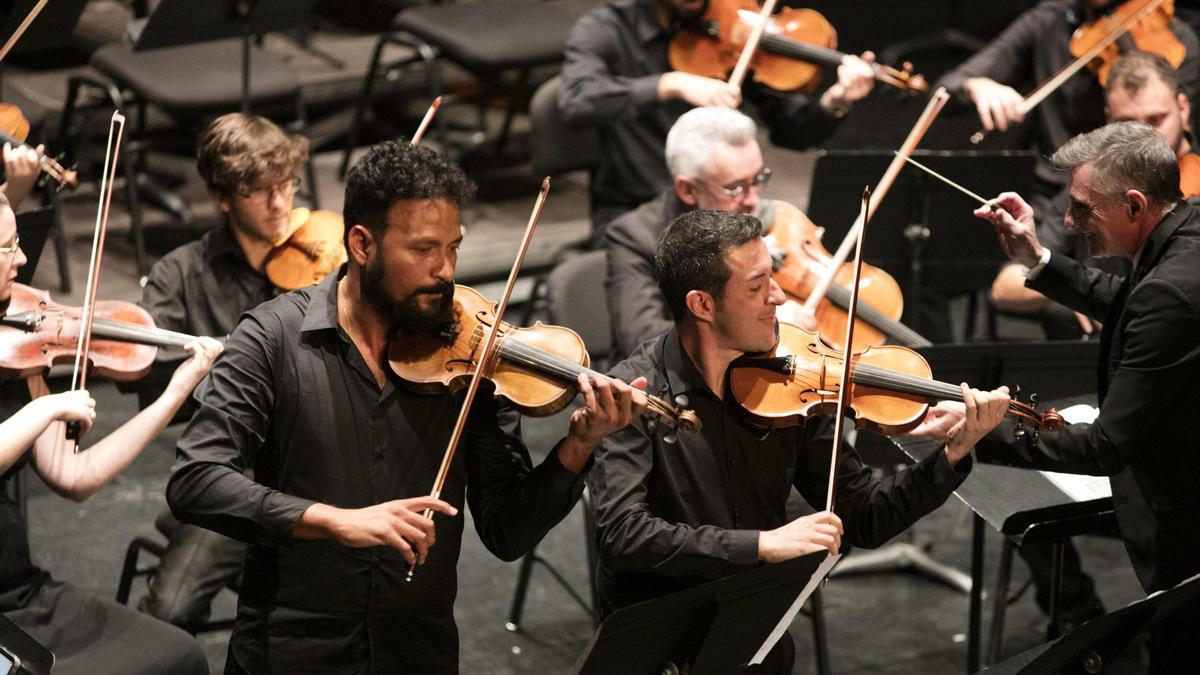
<point>614,57</point>
<point>636,306</point>
<point>673,511</point>
<point>19,577</point>
<point>1033,49</point>
<point>200,288</point>
<point>293,398</point>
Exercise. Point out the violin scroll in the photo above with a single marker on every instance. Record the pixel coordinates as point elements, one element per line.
<point>1027,414</point>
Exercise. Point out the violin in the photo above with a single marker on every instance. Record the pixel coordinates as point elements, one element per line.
<point>1189,175</point>
<point>801,258</point>
<point>309,252</point>
<point>14,129</point>
<point>37,333</point>
<point>891,390</point>
<point>1150,33</point>
<point>796,45</point>
<point>534,369</point>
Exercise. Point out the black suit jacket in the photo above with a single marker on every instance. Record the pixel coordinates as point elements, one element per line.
<point>1149,389</point>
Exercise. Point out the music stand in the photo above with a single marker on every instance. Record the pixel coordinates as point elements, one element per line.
<point>181,22</point>
<point>1054,370</point>
<point>1094,645</point>
<point>33,227</point>
<point>923,232</point>
<point>50,30</point>
<point>714,627</point>
<point>28,656</point>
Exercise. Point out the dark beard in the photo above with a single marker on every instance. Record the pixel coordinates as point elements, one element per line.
<point>406,315</point>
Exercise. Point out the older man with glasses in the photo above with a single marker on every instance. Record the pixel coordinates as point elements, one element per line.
<point>717,165</point>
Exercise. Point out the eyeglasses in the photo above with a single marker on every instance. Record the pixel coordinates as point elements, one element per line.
<point>263,195</point>
<point>13,248</point>
<point>737,189</point>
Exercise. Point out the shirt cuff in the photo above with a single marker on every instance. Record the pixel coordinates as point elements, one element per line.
<point>559,479</point>
<point>743,548</point>
<point>644,90</point>
<point>1037,269</point>
<point>279,515</point>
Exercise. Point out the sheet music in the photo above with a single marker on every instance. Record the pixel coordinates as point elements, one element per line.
<point>1079,487</point>
<point>788,616</point>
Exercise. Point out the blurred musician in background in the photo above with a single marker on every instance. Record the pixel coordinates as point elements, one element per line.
<point>1030,51</point>
<point>617,77</point>
<point>249,166</point>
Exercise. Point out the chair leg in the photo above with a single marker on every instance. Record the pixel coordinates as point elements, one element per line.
<point>135,213</point>
<point>518,603</point>
<point>510,112</point>
<point>314,198</point>
<point>362,106</point>
<point>820,637</point>
<point>593,554</point>
<point>1000,603</point>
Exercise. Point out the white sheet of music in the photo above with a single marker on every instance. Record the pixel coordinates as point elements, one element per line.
<point>1080,488</point>
<point>782,626</point>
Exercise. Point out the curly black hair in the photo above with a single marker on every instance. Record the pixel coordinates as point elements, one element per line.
<point>394,171</point>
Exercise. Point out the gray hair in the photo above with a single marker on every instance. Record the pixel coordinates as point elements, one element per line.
<point>697,132</point>
<point>1125,156</point>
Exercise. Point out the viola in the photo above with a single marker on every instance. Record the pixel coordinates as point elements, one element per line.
<point>535,369</point>
<point>801,258</point>
<point>1149,33</point>
<point>1189,175</point>
<point>796,45</point>
<point>309,252</point>
<point>37,333</point>
<point>14,129</point>
<point>891,386</point>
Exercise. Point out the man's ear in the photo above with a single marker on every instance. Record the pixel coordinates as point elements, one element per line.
<point>359,242</point>
<point>224,203</point>
<point>1135,203</point>
<point>685,189</point>
<point>701,305</point>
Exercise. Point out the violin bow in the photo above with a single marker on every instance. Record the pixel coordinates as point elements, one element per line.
<point>743,62</point>
<point>83,348</point>
<point>839,420</point>
<point>1045,89</point>
<point>485,354</point>
<point>429,114</point>
<point>12,40</point>
<point>936,102</point>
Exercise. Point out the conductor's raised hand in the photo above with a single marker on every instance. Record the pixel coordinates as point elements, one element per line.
<point>400,524</point>
<point>1013,221</point>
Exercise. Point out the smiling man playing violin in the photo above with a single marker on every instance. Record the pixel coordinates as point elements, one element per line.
<point>673,510</point>
<point>342,451</point>
<point>86,633</point>
<point>1125,201</point>
<point>617,78</point>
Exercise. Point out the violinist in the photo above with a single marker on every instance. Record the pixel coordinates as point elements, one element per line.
<point>343,454</point>
<point>1142,87</point>
<point>714,158</point>
<point>617,78</point>
<point>21,171</point>
<point>1125,202</point>
<point>88,634</point>
<point>675,510</point>
<point>202,288</point>
<point>1030,51</point>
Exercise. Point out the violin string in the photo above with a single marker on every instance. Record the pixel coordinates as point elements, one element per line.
<point>840,296</point>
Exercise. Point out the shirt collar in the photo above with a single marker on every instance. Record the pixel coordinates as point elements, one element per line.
<point>682,374</point>
<point>322,310</point>
<point>1148,256</point>
<point>220,242</point>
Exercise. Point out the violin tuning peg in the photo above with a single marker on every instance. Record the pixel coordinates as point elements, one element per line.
<point>652,424</point>
<point>670,438</point>
<point>1035,438</point>
<point>1033,398</point>
<point>1016,395</point>
<point>1019,431</point>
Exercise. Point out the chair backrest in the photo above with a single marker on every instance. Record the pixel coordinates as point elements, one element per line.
<point>557,148</point>
<point>572,301</point>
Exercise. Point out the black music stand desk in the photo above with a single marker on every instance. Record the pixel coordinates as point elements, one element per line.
<point>715,627</point>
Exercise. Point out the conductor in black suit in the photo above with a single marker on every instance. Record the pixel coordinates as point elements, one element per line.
<point>1125,201</point>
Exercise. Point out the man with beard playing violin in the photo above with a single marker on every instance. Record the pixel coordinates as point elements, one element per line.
<point>674,510</point>
<point>86,634</point>
<point>343,453</point>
